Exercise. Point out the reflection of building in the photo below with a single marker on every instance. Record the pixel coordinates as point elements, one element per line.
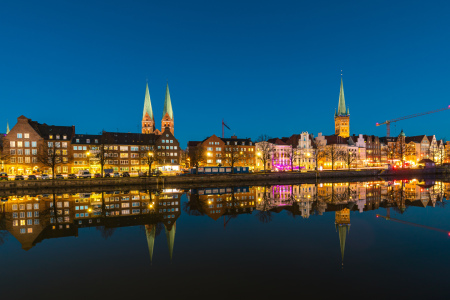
<point>31,219</point>
<point>342,223</point>
<point>217,202</point>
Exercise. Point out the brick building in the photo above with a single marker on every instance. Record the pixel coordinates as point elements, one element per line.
<point>27,143</point>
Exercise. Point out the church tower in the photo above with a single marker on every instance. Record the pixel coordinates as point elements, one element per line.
<point>148,120</point>
<point>342,116</point>
<point>342,223</point>
<point>167,120</point>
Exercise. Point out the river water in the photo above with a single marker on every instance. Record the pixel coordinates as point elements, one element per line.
<point>378,239</point>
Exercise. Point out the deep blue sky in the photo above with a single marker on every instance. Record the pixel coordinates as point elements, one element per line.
<point>264,66</point>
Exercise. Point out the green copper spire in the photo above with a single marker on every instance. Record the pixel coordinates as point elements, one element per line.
<point>171,238</point>
<point>168,104</point>
<point>342,230</point>
<point>341,108</point>
<point>147,104</point>
<point>7,127</point>
<point>151,234</point>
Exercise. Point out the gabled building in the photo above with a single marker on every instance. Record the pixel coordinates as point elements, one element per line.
<point>28,142</point>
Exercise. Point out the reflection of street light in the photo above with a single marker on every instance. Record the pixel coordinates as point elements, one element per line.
<point>209,154</point>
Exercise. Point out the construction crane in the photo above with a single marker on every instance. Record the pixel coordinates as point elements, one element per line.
<point>388,218</point>
<point>223,128</point>
<point>388,122</point>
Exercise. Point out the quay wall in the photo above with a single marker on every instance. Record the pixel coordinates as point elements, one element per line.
<point>191,181</point>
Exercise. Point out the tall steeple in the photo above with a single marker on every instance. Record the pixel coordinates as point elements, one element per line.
<point>7,127</point>
<point>342,116</point>
<point>168,104</point>
<point>170,234</point>
<point>148,104</point>
<point>148,120</point>
<point>167,120</point>
<point>342,229</point>
<point>150,231</point>
<point>342,111</point>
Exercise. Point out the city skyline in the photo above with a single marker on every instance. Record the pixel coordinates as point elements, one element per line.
<point>264,69</point>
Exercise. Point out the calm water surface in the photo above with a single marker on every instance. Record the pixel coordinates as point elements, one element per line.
<point>385,240</point>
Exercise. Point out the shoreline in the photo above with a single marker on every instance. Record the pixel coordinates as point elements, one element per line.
<point>194,181</point>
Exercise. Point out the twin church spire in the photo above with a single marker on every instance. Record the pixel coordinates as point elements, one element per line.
<point>148,119</point>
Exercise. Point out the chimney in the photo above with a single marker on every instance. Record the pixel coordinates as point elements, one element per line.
<point>234,137</point>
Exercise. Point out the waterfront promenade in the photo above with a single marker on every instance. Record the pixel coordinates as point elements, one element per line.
<point>189,181</point>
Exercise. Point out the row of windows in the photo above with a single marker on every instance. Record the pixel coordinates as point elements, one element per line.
<point>29,206</point>
<point>29,214</point>
<point>168,147</point>
<point>23,223</point>
<point>12,144</point>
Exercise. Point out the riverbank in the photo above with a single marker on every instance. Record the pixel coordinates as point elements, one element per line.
<point>191,181</point>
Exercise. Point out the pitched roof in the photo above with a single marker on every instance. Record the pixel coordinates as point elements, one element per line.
<point>415,139</point>
<point>82,139</point>
<point>247,142</point>
<point>123,138</point>
<point>45,130</point>
<point>341,108</point>
<point>168,104</point>
<point>335,139</point>
<point>148,104</point>
<point>277,141</point>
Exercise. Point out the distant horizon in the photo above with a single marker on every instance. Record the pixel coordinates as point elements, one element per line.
<point>265,68</point>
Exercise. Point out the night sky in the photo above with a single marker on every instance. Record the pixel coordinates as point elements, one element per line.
<point>269,67</point>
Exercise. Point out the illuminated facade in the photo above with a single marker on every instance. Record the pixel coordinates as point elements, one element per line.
<point>148,119</point>
<point>342,116</point>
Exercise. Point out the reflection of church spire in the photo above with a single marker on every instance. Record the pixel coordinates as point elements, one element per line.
<point>342,223</point>
<point>150,231</point>
<point>170,234</point>
<point>342,230</point>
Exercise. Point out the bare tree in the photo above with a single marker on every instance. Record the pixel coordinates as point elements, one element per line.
<point>149,157</point>
<point>319,153</point>
<point>101,154</point>
<point>51,155</point>
<point>232,156</point>
<point>349,157</point>
<point>265,149</point>
<point>197,156</point>
<point>334,153</point>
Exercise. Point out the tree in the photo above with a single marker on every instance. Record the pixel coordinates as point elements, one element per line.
<point>232,156</point>
<point>149,157</point>
<point>349,157</point>
<point>334,153</point>
<point>51,155</point>
<point>319,153</point>
<point>197,156</point>
<point>294,154</point>
<point>265,149</point>
<point>100,155</point>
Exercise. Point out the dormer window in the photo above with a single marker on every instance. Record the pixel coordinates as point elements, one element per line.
<point>228,142</point>
<point>88,141</point>
<point>50,137</point>
<point>64,137</point>
<point>78,140</point>
<point>96,141</point>
<point>57,137</point>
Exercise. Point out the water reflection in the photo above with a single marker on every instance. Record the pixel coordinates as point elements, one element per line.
<point>33,219</point>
